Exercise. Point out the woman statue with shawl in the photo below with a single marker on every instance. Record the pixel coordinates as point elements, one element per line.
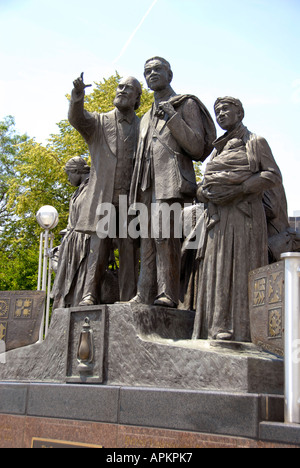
<point>241,169</point>
<point>74,250</point>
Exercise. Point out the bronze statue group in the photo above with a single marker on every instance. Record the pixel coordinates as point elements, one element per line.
<point>244,221</point>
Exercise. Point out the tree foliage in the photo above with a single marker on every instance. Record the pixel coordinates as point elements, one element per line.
<point>9,141</point>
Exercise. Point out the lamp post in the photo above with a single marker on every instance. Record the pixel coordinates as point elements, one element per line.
<point>47,217</point>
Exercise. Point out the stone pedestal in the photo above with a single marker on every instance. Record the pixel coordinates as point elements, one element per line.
<point>145,384</point>
<point>72,415</point>
<point>143,346</point>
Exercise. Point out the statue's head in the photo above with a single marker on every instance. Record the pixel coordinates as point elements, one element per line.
<point>75,168</point>
<point>158,73</point>
<point>229,112</point>
<point>128,94</point>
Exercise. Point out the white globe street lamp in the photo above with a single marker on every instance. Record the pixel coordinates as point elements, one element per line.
<point>47,217</point>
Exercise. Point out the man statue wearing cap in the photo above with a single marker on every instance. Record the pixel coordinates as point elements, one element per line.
<point>112,140</point>
<point>177,130</point>
<point>241,169</point>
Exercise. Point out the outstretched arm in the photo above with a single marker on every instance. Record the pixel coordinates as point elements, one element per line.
<point>79,118</point>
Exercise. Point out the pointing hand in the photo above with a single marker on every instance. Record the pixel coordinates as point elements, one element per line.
<point>79,84</point>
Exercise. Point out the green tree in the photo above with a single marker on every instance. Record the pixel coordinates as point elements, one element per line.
<point>9,141</point>
<point>198,171</point>
<point>17,266</point>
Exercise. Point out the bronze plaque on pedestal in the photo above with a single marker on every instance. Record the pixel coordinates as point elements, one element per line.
<point>37,442</point>
<point>21,315</point>
<point>266,302</point>
<point>85,361</point>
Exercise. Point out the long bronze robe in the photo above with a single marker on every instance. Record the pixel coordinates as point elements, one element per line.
<point>241,169</point>
<point>73,254</point>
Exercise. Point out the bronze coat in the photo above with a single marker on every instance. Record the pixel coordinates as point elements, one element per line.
<point>175,143</point>
<point>99,131</point>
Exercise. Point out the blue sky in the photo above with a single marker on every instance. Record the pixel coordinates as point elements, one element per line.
<point>245,48</point>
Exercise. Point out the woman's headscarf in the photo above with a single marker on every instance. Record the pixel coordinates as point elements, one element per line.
<point>231,100</point>
<point>77,164</point>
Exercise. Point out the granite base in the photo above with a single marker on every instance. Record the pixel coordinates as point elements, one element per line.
<point>35,415</point>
